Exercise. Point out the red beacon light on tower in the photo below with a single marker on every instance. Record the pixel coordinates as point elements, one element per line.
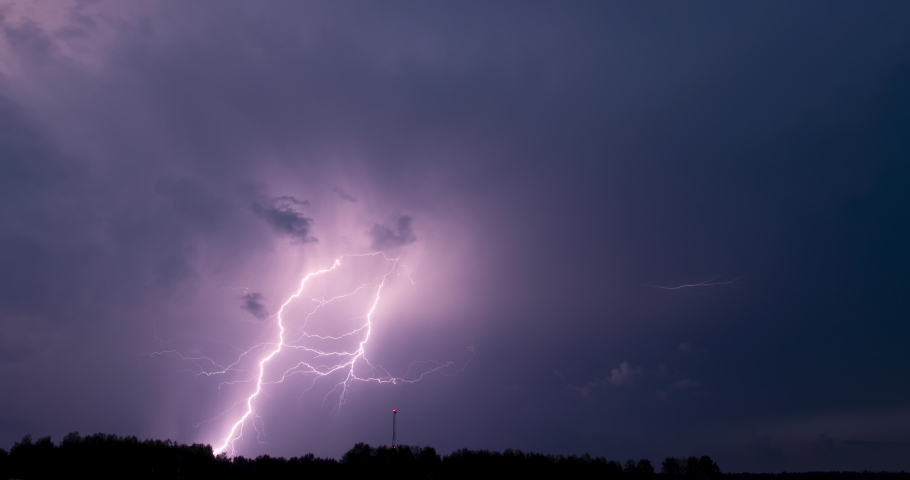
<point>394,414</point>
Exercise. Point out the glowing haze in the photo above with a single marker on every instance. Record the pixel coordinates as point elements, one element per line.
<point>314,356</point>
<point>634,230</point>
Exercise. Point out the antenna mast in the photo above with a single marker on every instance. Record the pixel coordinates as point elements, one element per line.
<point>394,414</point>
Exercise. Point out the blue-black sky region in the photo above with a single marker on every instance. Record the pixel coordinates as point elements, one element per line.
<point>169,170</point>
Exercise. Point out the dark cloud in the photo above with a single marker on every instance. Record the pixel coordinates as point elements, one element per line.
<point>829,446</point>
<point>384,237</point>
<point>172,270</point>
<point>768,455</point>
<point>622,375</point>
<point>344,195</point>
<point>558,156</point>
<point>280,214</point>
<point>252,302</point>
<point>192,199</point>
<point>286,199</point>
<point>29,40</point>
<point>686,383</point>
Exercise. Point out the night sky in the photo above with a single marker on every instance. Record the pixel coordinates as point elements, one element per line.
<point>546,174</point>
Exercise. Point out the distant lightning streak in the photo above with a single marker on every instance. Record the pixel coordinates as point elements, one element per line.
<point>351,361</point>
<point>712,282</point>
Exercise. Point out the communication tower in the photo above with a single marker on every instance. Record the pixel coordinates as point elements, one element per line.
<point>394,414</point>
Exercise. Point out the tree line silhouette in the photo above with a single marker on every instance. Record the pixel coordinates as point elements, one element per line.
<point>110,456</point>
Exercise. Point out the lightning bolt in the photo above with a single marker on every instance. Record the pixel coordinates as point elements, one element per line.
<point>711,282</point>
<point>351,363</point>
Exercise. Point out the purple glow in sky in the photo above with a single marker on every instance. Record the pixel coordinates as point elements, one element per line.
<point>635,230</point>
<point>337,355</point>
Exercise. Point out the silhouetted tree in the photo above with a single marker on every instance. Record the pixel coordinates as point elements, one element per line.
<point>692,468</point>
<point>671,468</point>
<point>4,464</point>
<point>641,468</point>
<point>707,469</point>
<point>644,467</point>
<point>612,469</point>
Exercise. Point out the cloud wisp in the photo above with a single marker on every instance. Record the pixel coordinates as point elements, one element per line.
<point>624,374</point>
<point>344,195</point>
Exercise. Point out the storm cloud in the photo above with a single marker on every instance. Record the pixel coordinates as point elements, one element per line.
<point>164,163</point>
<point>285,219</point>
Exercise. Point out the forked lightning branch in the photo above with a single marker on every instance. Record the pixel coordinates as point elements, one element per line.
<point>323,333</point>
